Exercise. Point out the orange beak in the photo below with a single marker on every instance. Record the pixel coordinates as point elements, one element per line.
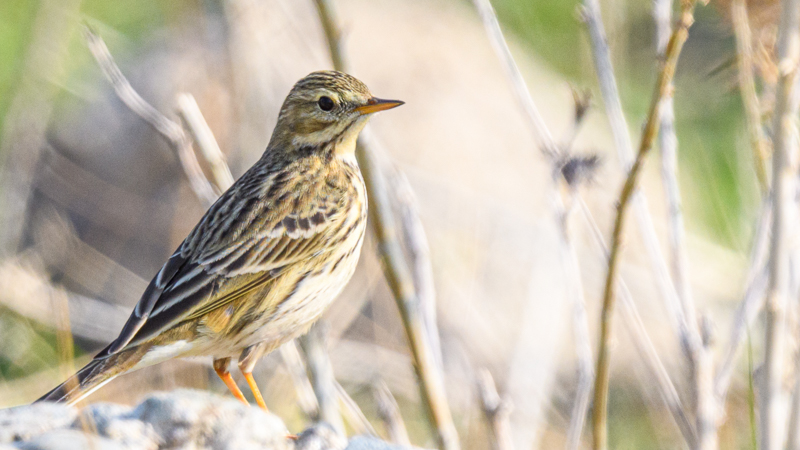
<point>376,104</point>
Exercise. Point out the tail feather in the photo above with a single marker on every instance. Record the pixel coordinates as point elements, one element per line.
<point>92,376</point>
<point>78,386</point>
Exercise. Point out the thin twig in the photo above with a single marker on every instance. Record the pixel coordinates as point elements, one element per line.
<point>544,139</point>
<point>25,122</point>
<point>352,413</point>
<point>600,411</point>
<point>396,271</point>
<point>168,129</point>
<point>389,413</point>
<point>622,141</point>
<point>299,375</point>
<point>557,157</point>
<point>783,215</point>
<point>496,411</point>
<point>751,304</point>
<point>747,87</point>
<point>190,113</point>
<point>701,360</point>
<point>419,255</point>
<point>643,343</point>
<point>320,372</point>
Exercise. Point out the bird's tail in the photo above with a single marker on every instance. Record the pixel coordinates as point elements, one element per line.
<point>92,376</point>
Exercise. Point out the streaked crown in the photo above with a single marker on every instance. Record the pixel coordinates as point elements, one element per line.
<point>325,111</point>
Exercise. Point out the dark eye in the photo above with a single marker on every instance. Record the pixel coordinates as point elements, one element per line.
<point>325,103</point>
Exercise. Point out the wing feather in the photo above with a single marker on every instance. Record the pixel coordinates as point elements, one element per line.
<point>193,281</point>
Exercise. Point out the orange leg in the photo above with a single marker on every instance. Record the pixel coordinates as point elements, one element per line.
<point>247,361</point>
<point>256,393</point>
<point>221,367</point>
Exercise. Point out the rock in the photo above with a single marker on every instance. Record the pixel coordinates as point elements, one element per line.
<point>178,420</point>
<point>118,423</point>
<point>68,440</point>
<point>187,418</point>
<point>24,422</point>
<point>371,443</point>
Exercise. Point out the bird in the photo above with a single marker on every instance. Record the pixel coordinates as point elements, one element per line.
<point>267,258</point>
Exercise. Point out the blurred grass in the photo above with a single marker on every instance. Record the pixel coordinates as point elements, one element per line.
<point>716,177</point>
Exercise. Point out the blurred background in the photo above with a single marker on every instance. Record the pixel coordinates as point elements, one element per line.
<point>95,200</point>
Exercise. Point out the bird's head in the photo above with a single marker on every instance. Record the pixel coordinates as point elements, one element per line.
<point>325,111</point>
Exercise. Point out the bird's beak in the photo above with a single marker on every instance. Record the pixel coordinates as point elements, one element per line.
<point>377,104</point>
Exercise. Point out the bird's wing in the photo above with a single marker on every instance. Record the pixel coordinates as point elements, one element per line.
<point>239,236</point>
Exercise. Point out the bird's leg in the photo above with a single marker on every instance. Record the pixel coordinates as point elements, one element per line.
<point>221,367</point>
<point>247,361</point>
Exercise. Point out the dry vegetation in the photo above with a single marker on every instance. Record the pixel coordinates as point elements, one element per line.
<point>504,298</point>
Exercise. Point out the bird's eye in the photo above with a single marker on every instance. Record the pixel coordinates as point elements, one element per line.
<point>325,103</point>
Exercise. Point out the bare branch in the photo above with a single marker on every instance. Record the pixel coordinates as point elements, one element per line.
<point>168,129</point>
<point>622,140</point>
<point>541,133</point>
<point>496,411</point>
<point>747,86</point>
<point>644,345</point>
<point>298,373</point>
<point>751,304</point>
<point>784,172</point>
<point>353,414</point>
<point>320,372</point>
<point>396,271</point>
<point>389,413</point>
<point>679,36</point>
<point>204,137</point>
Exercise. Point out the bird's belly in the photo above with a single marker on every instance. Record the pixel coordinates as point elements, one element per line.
<point>312,294</point>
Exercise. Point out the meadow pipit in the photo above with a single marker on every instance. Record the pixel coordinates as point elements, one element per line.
<point>267,258</point>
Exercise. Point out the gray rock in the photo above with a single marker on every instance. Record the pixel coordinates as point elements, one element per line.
<point>371,443</point>
<point>25,422</point>
<point>178,420</point>
<point>321,436</point>
<point>117,423</point>
<point>197,419</point>
<point>68,440</point>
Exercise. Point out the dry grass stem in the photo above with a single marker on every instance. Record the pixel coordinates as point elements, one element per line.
<point>541,133</point>
<point>747,87</point>
<point>753,300</point>
<point>26,119</point>
<point>677,39</point>
<point>622,140</point>
<point>396,271</point>
<point>643,343</point>
<point>353,414</point>
<point>320,372</point>
<point>170,130</point>
<point>190,113</point>
<point>416,241</point>
<point>389,413</point>
<point>496,411</point>
<point>293,362</point>
<point>701,357</point>
<point>784,172</point>
<point>557,157</point>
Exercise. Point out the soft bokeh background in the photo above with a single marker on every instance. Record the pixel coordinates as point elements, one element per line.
<point>107,200</point>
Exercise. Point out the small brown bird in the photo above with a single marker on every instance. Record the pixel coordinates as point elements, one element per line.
<point>267,258</point>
